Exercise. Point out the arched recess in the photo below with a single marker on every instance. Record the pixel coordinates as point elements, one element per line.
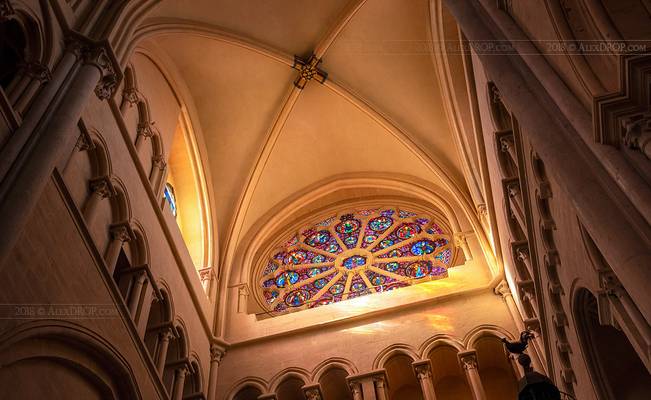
<point>447,375</point>
<point>288,383</point>
<point>159,323</point>
<point>495,368</point>
<point>247,393</point>
<point>25,52</point>
<point>333,384</point>
<point>248,388</point>
<point>403,384</point>
<point>171,150</point>
<point>176,357</point>
<point>615,369</point>
<point>75,360</point>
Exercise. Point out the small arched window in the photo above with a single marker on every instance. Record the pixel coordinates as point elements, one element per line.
<point>170,198</point>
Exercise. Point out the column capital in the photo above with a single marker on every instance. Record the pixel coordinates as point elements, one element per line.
<point>422,369</point>
<point>6,10</point>
<point>146,129</point>
<point>503,289</point>
<point>36,70</point>
<point>206,274</point>
<point>468,359</point>
<point>355,387</point>
<point>166,334</point>
<point>506,143</point>
<point>217,353</point>
<point>131,96</point>
<point>99,55</point>
<point>103,187</point>
<point>159,162</point>
<point>312,392</point>
<point>84,142</point>
<point>122,232</point>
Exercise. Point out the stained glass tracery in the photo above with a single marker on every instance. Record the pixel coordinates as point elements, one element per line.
<point>354,254</point>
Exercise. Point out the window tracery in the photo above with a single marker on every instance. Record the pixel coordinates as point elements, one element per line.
<point>353,254</point>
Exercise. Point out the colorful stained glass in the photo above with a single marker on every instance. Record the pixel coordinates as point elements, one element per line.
<point>423,247</point>
<point>418,269</point>
<point>380,224</point>
<point>406,214</point>
<point>297,298</point>
<point>292,242</point>
<point>354,261</point>
<point>354,254</point>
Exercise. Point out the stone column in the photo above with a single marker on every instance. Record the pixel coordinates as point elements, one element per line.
<point>136,293</point>
<point>423,371</point>
<point>468,360</point>
<point>101,188</point>
<point>179,381</point>
<point>120,233</point>
<point>381,389</point>
<point>356,389</point>
<point>164,338</point>
<point>35,75</point>
<point>217,352</point>
<point>95,71</point>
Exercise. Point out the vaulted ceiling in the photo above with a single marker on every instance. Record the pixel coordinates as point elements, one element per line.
<point>381,110</point>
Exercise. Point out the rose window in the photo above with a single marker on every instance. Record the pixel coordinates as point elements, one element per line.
<point>355,254</point>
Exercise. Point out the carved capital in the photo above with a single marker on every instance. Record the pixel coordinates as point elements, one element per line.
<point>6,10</point>
<point>146,129</point>
<point>312,393</point>
<point>423,371</point>
<point>84,142</point>
<point>636,133</point>
<point>131,96</point>
<point>468,359</point>
<point>506,143</point>
<point>482,210</point>
<point>379,381</point>
<point>166,334</point>
<point>206,274</point>
<point>38,71</point>
<point>460,239</point>
<point>121,232</point>
<point>609,283</point>
<point>217,353</point>
<point>532,324</point>
<point>513,189</point>
<point>159,162</point>
<point>103,187</point>
<point>355,388</point>
<point>503,289</point>
<point>99,55</point>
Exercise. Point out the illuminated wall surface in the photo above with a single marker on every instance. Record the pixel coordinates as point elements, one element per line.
<point>354,254</point>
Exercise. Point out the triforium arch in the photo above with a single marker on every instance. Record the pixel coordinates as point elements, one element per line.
<point>26,46</point>
<point>248,388</point>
